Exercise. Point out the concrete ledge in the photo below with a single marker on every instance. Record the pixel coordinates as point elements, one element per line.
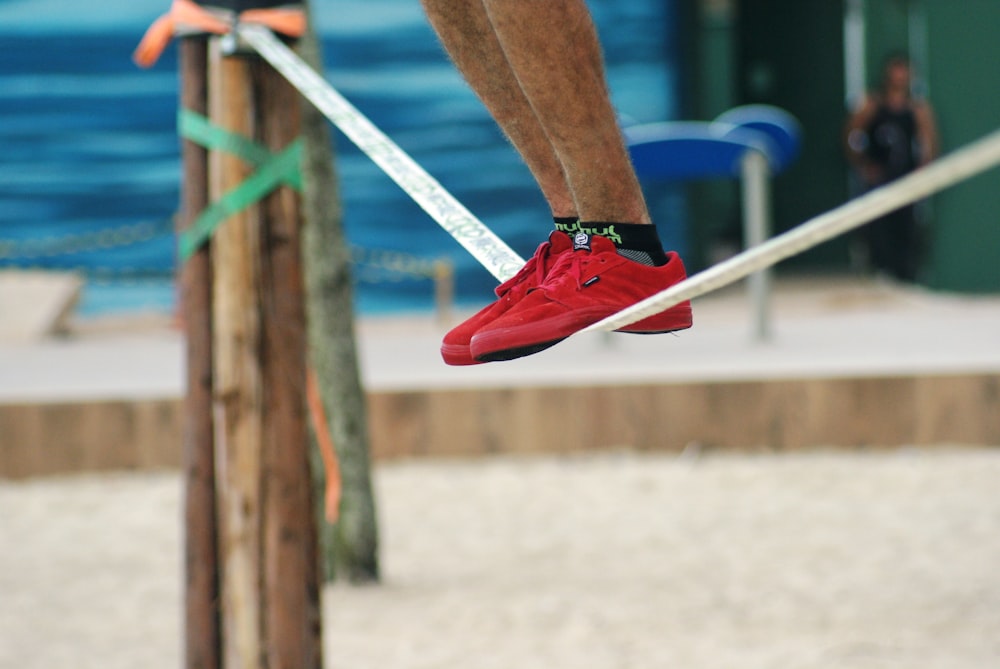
<point>58,437</point>
<point>35,304</point>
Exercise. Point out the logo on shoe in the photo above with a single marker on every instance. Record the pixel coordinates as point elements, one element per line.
<point>581,241</point>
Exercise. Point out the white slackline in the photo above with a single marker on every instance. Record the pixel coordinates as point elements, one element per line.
<point>961,164</point>
<point>449,213</point>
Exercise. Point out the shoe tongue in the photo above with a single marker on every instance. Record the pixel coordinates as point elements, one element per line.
<point>559,241</point>
<point>583,241</point>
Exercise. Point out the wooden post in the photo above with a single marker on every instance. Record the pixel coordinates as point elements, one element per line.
<point>201,594</point>
<point>444,290</point>
<point>237,397</point>
<point>291,544</point>
<point>269,563</point>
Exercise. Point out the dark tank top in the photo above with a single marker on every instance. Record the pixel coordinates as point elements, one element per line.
<point>891,141</point>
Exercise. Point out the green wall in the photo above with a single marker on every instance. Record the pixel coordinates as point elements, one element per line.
<point>964,86</point>
<point>886,29</point>
<point>786,53</point>
<point>956,45</point>
<point>709,88</point>
<point>791,55</point>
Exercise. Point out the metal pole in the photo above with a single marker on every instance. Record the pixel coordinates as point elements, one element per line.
<point>756,230</point>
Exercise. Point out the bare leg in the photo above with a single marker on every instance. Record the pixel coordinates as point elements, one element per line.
<point>466,33</point>
<point>553,48</point>
<point>537,66</point>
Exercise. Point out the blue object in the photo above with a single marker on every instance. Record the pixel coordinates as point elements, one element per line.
<point>678,151</point>
<point>690,150</point>
<point>781,128</point>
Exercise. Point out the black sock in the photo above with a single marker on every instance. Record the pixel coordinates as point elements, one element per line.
<point>635,241</point>
<point>566,224</point>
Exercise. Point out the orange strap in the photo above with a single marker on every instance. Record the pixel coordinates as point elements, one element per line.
<point>290,22</point>
<point>187,17</point>
<point>322,429</point>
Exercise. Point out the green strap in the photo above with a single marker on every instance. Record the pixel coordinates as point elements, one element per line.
<point>202,131</point>
<point>273,169</point>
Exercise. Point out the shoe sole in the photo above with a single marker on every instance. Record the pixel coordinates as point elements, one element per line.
<point>458,355</point>
<point>519,352</point>
<point>493,346</point>
<point>677,317</point>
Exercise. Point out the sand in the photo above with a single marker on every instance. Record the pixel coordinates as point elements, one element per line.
<point>819,559</point>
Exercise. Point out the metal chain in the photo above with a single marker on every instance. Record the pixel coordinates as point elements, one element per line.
<point>47,247</point>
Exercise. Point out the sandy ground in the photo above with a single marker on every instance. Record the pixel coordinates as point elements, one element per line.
<point>820,559</point>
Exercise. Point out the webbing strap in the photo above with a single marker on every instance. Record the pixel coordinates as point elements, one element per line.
<point>273,170</point>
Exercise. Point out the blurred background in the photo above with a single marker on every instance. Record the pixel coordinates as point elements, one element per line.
<point>90,172</point>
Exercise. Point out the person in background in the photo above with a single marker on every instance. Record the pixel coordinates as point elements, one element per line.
<point>890,134</point>
<point>538,68</point>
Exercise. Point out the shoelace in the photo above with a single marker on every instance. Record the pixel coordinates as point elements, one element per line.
<point>536,264</point>
<point>570,266</point>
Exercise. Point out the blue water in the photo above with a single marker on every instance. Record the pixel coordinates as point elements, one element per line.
<point>88,143</point>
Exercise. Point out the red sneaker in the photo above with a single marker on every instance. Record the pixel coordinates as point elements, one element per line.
<point>583,287</point>
<point>455,347</point>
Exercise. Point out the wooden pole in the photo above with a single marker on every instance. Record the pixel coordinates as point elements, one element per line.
<point>267,532</point>
<point>291,554</point>
<point>201,594</point>
<point>238,377</point>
